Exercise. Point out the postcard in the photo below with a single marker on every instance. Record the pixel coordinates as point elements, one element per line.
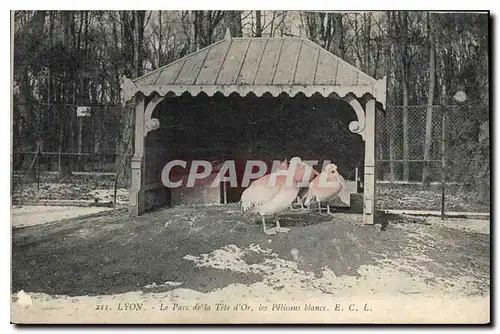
<point>247,167</point>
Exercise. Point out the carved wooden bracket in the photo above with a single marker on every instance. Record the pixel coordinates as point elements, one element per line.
<point>359,125</point>
<point>151,123</point>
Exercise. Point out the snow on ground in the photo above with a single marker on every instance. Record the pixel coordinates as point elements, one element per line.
<point>427,278</point>
<point>99,188</point>
<point>470,225</point>
<point>396,290</point>
<point>107,195</point>
<point>392,196</point>
<point>35,215</point>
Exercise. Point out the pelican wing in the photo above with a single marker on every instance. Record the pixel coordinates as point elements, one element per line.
<point>344,194</point>
<point>259,193</point>
<point>309,195</point>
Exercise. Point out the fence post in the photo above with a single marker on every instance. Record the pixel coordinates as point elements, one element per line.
<point>59,165</point>
<point>38,171</point>
<point>443,163</point>
<point>80,142</point>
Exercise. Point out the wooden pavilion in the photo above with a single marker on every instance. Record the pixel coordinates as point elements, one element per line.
<point>245,65</point>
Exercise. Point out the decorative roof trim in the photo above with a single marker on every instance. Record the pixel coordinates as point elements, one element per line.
<point>129,90</point>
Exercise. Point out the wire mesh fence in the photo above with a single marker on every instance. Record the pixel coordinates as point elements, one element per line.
<point>421,165</point>
<point>437,163</point>
<point>69,152</point>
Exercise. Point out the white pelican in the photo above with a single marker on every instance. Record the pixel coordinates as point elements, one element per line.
<point>321,191</point>
<point>271,198</point>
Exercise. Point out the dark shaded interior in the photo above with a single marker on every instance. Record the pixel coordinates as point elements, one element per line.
<point>263,128</point>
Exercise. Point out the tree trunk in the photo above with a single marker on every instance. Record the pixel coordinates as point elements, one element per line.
<point>258,24</point>
<point>49,82</point>
<point>233,19</point>
<point>136,44</point>
<point>406,148</point>
<point>193,18</point>
<point>271,30</point>
<point>141,15</point>
<point>405,79</point>
<point>368,23</point>
<point>27,103</point>
<point>311,25</point>
<point>26,106</point>
<point>229,21</point>
<point>199,31</point>
<point>115,89</point>
<point>237,23</point>
<point>65,139</point>
<point>160,40</point>
<point>339,29</point>
<point>430,99</point>
<point>51,42</point>
<point>391,127</point>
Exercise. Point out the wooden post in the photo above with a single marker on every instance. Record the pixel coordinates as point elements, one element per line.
<point>137,191</point>
<point>143,124</point>
<point>369,179</point>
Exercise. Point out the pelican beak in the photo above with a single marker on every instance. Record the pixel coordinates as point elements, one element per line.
<point>312,168</point>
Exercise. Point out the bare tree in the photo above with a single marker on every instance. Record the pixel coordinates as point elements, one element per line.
<point>27,38</point>
<point>205,24</point>
<point>367,39</point>
<point>405,71</point>
<point>258,24</point>
<point>389,70</point>
<point>233,22</point>
<point>78,57</point>
<point>430,98</point>
<point>340,35</point>
<point>136,44</point>
<point>311,25</point>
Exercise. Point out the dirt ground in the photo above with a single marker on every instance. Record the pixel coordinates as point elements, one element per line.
<point>395,197</point>
<point>214,254</point>
<point>87,187</point>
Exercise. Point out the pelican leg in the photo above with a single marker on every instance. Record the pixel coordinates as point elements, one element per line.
<point>297,201</point>
<point>280,229</point>
<point>266,231</point>
<point>328,210</point>
<point>300,202</point>
<point>319,208</point>
<point>304,201</point>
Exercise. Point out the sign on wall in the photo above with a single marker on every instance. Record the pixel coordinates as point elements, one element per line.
<point>83,111</point>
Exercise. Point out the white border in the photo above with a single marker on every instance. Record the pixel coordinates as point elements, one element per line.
<point>186,4</point>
